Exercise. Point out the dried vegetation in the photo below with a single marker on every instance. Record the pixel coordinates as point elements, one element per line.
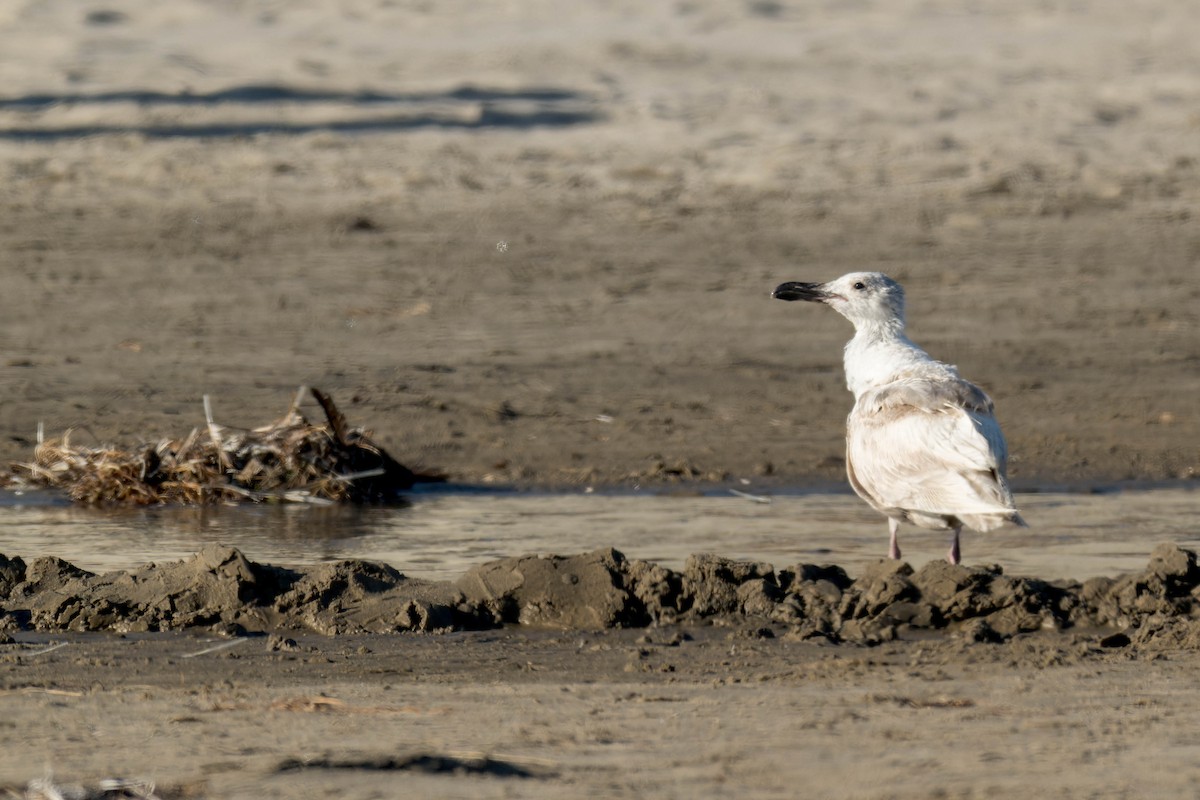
<point>291,459</point>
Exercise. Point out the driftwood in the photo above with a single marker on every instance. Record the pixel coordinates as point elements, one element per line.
<point>291,459</point>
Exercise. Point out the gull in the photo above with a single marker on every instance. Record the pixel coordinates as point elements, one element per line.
<point>922,444</point>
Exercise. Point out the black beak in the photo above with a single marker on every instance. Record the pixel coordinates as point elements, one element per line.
<point>794,290</point>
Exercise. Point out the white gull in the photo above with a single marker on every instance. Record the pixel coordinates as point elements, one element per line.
<point>922,444</point>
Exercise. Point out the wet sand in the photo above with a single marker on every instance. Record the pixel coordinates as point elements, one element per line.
<point>606,715</point>
<point>532,245</point>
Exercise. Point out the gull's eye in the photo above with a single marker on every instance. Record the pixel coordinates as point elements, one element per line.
<point>860,286</point>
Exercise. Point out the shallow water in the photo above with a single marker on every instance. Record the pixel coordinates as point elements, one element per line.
<point>442,534</point>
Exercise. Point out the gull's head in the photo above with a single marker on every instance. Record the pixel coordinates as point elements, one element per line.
<point>864,298</point>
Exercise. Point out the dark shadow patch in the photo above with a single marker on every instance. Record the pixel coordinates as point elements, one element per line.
<point>488,119</point>
<point>427,763</point>
<point>103,17</point>
<point>252,94</point>
<point>497,108</point>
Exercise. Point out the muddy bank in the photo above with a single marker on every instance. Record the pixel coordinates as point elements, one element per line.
<point>220,590</point>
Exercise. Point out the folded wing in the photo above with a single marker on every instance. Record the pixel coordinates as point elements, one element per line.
<point>930,451</point>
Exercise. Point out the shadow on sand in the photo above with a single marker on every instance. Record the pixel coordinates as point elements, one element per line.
<point>496,108</point>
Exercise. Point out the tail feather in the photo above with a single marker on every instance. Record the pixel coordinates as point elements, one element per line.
<point>989,522</point>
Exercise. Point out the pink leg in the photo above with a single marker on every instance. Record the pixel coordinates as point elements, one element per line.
<point>955,555</point>
<point>894,547</point>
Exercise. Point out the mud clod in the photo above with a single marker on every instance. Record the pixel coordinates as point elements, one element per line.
<point>713,584</point>
<point>587,591</point>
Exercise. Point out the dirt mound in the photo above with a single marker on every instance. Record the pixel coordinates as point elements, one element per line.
<point>584,591</point>
<point>219,588</point>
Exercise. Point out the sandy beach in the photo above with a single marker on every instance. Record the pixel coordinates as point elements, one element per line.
<point>530,244</point>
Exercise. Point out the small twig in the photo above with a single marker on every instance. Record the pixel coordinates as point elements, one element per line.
<point>354,476</point>
<point>49,649</point>
<point>296,401</point>
<point>40,690</point>
<point>337,422</point>
<point>216,436</point>
<point>257,497</point>
<point>301,496</point>
<point>755,498</point>
<point>138,788</point>
<point>217,648</point>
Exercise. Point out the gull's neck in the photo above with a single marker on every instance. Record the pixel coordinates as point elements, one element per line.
<point>881,353</point>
